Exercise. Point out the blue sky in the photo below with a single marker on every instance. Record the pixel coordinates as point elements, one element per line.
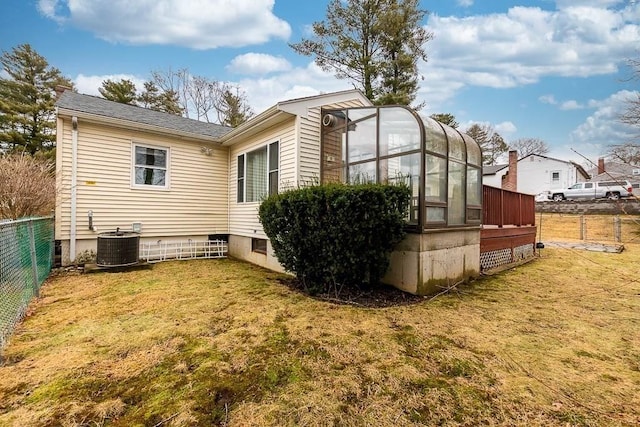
<point>549,69</point>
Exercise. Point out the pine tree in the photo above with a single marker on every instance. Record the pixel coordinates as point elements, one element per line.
<point>27,98</point>
<point>154,99</point>
<point>373,43</point>
<point>122,91</point>
<point>492,144</point>
<point>233,108</point>
<point>402,39</point>
<point>446,118</point>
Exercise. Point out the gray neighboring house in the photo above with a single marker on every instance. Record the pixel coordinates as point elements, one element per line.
<point>608,170</point>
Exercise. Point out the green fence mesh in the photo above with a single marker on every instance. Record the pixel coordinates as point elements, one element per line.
<point>26,256</point>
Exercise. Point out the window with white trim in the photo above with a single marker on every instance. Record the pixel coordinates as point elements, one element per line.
<point>150,166</point>
<point>258,173</point>
<point>635,171</point>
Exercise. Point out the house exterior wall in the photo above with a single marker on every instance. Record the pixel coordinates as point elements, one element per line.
<point>195,203</point>
<point>536,175</point>
<point>299,164</point>
<point>310,140</point>
<point>243,217</point>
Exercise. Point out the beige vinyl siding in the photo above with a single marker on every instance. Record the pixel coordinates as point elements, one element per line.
<point>310,140</point>
<point>195,203</point>
<point>243,217</point>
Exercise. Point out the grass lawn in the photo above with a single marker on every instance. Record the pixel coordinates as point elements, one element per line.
<point>555,342</point>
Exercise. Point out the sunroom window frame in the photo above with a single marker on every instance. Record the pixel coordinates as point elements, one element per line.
<point>344,165</point>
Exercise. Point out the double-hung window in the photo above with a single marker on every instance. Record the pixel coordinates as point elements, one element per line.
<point>150,166</point>
<point>258,173</point>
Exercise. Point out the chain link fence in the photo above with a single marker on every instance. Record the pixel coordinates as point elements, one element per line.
<point>26,257</point>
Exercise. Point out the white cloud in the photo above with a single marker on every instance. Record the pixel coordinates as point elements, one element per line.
<point>505,129</point>
<point>563,4</point>
<point>258,63</point>
<point>548,99</point>
<point>263,92</point>
<point>89,84</point>
<point>525,44</point>
<point>197,24</point>
<point>571,105</point>
<point>465,3</point>
<point>603,127</point>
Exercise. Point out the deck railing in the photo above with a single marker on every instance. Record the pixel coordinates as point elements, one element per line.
<point>503,207</point>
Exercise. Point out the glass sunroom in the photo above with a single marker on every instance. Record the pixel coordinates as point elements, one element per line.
<point>389,144</point>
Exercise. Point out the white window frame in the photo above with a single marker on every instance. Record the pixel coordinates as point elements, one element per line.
<point>559,177</point>
<point>269,171</point>
<point>635,171</point>
<point>167,168</point>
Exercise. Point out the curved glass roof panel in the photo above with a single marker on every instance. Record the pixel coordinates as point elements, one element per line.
<point>399,131</point>
<point>474,154</point>
<point>435,139</point>
<point>457,149</point>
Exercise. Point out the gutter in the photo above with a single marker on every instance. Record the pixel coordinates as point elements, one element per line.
<point>252,123</point>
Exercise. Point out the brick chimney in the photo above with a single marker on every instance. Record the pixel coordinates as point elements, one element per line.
<point>510,179</point>
<point>60,89</point>
<point>600,166</point>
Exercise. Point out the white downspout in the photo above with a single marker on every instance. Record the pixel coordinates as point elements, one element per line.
<point>74,187</point>
<point>229,177</point>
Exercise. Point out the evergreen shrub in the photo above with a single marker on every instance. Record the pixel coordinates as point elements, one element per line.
<point>336,235</point>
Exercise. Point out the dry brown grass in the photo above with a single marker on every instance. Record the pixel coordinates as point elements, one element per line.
<point>551,343</point>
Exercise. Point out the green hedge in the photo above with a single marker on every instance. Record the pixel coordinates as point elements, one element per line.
<point>336,235</point>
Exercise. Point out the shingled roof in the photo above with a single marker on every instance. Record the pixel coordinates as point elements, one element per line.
<point>101,107</point>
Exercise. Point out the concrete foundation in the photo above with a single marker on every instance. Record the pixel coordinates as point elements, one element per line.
<point>240,247</point>
<point>424,264</point>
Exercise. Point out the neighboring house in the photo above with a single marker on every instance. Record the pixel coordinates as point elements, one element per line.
<point>608,170</point>
<point>537,174</point>
<point>176,179</point>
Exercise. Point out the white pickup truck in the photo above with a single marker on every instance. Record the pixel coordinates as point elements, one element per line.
<point>594,190</point>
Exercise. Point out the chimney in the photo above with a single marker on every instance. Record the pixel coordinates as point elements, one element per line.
<point>510,179</point>
<point>600,166</point>
<point>60,89</point>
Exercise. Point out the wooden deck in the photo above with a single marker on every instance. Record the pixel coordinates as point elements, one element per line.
<point>508,237</point>
<point>509,230</point>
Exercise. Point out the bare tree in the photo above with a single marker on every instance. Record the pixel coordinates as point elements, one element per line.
<point>202,98</point>
<point>631,115</point>
<point>628,152</point>
<point>526,146</point>
<point>27,186</point>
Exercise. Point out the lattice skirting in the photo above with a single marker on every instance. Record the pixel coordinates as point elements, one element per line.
<point>493,259</point>
<point>190,249</point>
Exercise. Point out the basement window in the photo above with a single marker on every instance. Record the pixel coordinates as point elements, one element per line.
<point>259,246</point>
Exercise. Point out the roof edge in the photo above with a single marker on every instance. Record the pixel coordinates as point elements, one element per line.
<point>62,111</point>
